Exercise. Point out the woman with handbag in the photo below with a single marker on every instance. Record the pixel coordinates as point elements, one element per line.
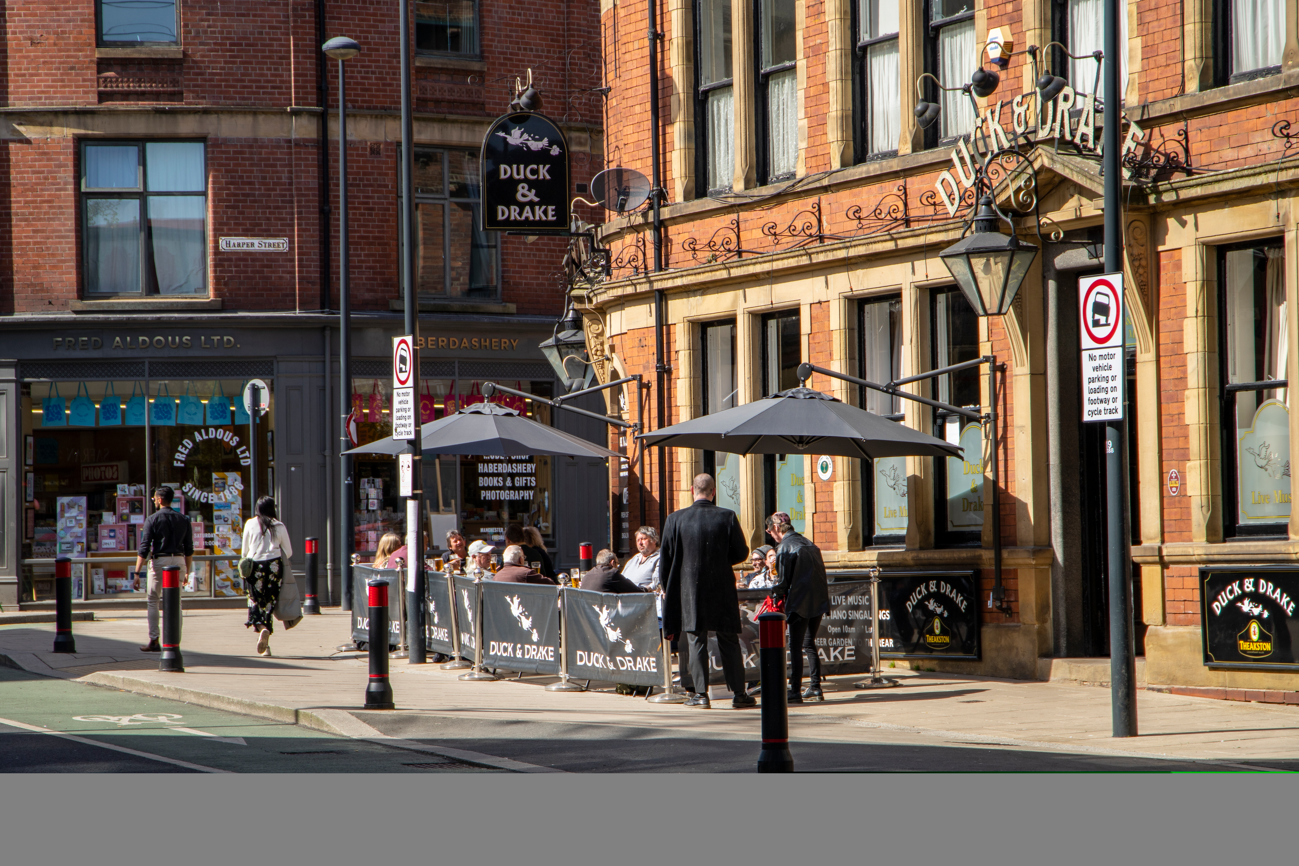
<point>265,564</point>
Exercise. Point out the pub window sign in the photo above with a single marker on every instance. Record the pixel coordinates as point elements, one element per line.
<point>1249,617</point>
<point>525,175</point>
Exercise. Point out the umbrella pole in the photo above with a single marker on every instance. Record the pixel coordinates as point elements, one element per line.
<point>877,680</point>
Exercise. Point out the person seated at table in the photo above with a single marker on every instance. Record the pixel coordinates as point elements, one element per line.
<point>391,548</point>
<point>478,562</point>
<point>516,569</point>
<point>606,577</point>
<point>534,542</point>
<point>457,552</point>
<point>643,568</point>
<point>532,553</point>
<point>761,576</point>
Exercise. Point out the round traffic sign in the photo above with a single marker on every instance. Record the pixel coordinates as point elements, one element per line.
<point>1101,312</point>
<point>263,396</point>
<point>403,366</point>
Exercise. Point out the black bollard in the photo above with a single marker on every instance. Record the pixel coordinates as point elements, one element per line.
<point>63,640</point>
<point>171,660</point>
<point>775,757</point>
<point>378,692</point>
<point>311,605</point>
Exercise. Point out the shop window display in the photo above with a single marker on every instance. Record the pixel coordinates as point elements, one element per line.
<point>95,450</point>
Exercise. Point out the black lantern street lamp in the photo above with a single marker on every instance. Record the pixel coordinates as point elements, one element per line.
<point>989,266</point>
<point>568,343</point>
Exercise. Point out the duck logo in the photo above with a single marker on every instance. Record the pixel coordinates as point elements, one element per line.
<point>521,616</point>
<point>612,632</point>
<point>469,609</point>
<point>937,634</point>
<point>1255,641</point>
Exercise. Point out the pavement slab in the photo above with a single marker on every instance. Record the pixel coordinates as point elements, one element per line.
<point>308,682</point>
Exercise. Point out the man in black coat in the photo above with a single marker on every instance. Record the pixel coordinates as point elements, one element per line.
<point>806,594</point>
<point>700,544</point>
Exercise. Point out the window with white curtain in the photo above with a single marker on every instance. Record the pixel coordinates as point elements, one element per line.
<point>1256,399</point>
<point>144,218</point>
<point>778,88</point>
<point>1256,35</point>
<point>881,86</point>
<point>953,60</point>
<point>884,479</point>
<point>1082,30</point>
<point>715,95</point>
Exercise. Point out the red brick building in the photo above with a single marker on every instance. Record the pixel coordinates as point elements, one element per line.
<point>804,210</point>
<point>169,228</point>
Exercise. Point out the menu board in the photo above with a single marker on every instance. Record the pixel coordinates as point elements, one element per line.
<point>71,527</point>
<point>227,531</point>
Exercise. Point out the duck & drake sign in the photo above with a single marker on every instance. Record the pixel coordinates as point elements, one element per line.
<point>525,179</point>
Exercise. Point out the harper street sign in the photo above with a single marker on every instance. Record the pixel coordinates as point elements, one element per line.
<point>525,175</point>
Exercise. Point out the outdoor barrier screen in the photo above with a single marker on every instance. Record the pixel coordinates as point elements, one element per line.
<point>612,637</point>
<point>437,625</point>
<point>466,613</point>
<point>520,627</point>
<point>361,614</point>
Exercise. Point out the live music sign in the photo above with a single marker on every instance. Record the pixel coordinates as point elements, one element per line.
<point>525,175</point>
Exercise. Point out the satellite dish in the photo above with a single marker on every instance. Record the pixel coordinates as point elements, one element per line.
<point>620,189</point>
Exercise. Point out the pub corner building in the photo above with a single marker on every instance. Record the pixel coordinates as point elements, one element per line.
<point>169,233</point>
<point>816,161</point>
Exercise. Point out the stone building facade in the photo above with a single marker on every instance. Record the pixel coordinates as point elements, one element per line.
<point>804,211</point>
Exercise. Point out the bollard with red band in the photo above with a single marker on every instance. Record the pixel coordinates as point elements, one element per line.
<point>171,659</point>
<point>378,692</point>
<point>63,640</point>
<point>775,757</point>
<point>586,559</point>
<point>311,605</point>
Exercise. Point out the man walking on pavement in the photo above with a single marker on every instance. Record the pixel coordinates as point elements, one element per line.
<point>806,595</point>
<point>166,539</point>
<point>700,544</point>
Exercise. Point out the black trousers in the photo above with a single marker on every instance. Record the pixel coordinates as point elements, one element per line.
<point>696,666</point>
<point>802,633</point>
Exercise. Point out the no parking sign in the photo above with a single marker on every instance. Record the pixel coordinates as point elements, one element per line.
<point>1100,335</point>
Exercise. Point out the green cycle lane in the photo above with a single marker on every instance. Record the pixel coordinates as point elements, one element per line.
<point>115,731</point>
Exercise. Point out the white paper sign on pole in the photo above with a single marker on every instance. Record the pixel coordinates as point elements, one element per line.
<point>403,414</point>
<point>405,474</point>
<point>1103,372</point>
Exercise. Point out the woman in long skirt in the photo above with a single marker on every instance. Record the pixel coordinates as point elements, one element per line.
<point>266,543</point>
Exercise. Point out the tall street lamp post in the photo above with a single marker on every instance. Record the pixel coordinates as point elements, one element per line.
<point>341,48</point>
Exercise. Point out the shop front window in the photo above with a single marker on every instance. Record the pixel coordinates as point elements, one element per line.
<point>959,485</point>
<point>97,450</point>
<point>783,474</point>
<point>446,27</point>
<point>719,391</point>
<point>1255,399</point>
<point>479,494</point>
<point>884,487</point>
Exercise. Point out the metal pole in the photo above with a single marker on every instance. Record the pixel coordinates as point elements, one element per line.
<point>256,401</point>
<point>414,537</point>
<point>345,492</point>
<point>669,696</point>
<point>478,674</point>
<point>877,680</point>
<point>998,590</point>
<point>1123,680</point>
<point>457,663</point>
<point>564,684</point>
<point>656,193</point>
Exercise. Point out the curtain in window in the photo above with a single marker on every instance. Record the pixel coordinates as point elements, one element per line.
<point>112,166</point>
<point>176,237</point>
<point>1257,34</point>
<point>1276,351</point>
<point>721,138</point>
<point>113,246</point>
<point>884,97</point>
<point>955,59</point>
<point>1086,34</point>
<point>174,166</point>
<point>782,100</point>
<point>882,353</point>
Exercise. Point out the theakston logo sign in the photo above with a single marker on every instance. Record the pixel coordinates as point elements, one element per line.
<point>525,175</point>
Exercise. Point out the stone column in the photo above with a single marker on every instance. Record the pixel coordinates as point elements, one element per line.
<point>681,74</point>
<point>839,58</point>
<point>745,96</point>
<point>911,62</point>
<point>1204,466</point>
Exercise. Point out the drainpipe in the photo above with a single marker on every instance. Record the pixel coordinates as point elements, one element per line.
<point>656,194</point>
<point>322,155</point>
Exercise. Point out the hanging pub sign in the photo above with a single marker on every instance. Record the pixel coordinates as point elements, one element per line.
<point>1250,617</point>
<point>525,175</point>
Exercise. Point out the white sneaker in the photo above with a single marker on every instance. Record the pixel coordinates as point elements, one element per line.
<point>264,642</point>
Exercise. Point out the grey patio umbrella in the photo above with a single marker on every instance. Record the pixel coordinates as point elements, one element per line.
<point>801,421</point>
<point>491,429</point>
